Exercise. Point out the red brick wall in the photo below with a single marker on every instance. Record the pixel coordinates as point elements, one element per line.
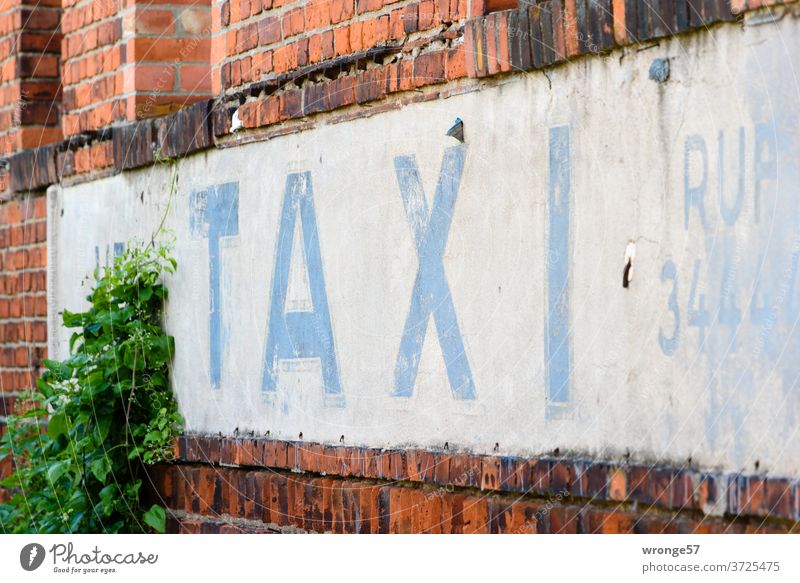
<point>23,298</point>
<point>277,63</point>
<point>263,485</point>
<point>29,68</point>
<point>126,60</point>
<point>253,38</point>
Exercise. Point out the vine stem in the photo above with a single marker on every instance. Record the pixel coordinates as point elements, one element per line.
<point>173,186</point>
<point>130,398</point>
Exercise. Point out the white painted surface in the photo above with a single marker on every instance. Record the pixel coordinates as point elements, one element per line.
<point>727,405</point>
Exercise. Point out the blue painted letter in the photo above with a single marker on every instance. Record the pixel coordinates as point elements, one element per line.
<point>557,342</point>
<point>118,249</point>
<point>431,294</point>
<point>214,213</point>
<point>299,328</point>
<point>694,195</point>
<point>730,214</point>
<point>766,165</point>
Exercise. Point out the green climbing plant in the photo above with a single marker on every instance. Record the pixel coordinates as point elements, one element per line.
<point>80,442</point>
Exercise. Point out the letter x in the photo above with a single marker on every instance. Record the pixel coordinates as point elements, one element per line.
<point>431,293</point>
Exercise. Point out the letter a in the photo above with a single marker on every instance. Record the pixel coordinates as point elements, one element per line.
<point>299,329</point>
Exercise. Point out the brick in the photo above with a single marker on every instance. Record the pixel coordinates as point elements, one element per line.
<point>327,45</point>
<point>710,12</point>
<point>476,516</point>
<point>195,78</point>
<point>491,45</point>
<point>315,48</point>
<point>584,26</point>
<point>426,16</point>
<point>509,474</point>
<point>640,484</point>
<point>471,46</point>
<point>779,499</point>
<point>490,473</point>
<point>426,466</point>
<point>370,463</point>
<point>341,10</point>
<point>356,36</point>
<point>617,484</point>
<point>247,37</point>
<point>631,13</point>
<point>364,6</point>
<point>540,475</point>
<point>441,470</point>
<point>357,458</point>
<point>519,40</point>
<point>661,486</point>
<point>396,30</point>
<point>399,516</point>
<point>502,40</point>
<point>225,13</point>
<point>195,22</point>
<point>602,20</point>
<point>302,52</point>
<point>343,93</point>
<point>150,78</point>
<point>559,477</point>
<point>666,17</point>
<point>37,66</point>
<point>596,480</point>
<point>375,32</point>
<point>293,22</point>
<point>550,52</point>
<point>314,505</point>
<point>737,6</point>
<point>162,49</point>
<point>647,19</point>
<point>429,68</point>
<point>343,461</point>
<point>284,58</point>
<point>564,520</point>
<point>497,5</point>
<point>620,27</point>
<point>753,496</point>
<point>683,490</point>
<point>269,31</point>
<point>156,22</point>
<point>337,509</point>
<point>411,18</point>
<point>341,41</point>
<point>569,26</point>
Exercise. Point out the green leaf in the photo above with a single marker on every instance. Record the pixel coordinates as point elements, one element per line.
<point>102,427</point>
<point>94,327</point>
<point>57,469</point>
<point>57,425</point>
<point>156,518</point>
<point>71,320</point>
<point>100,468</point>
<point>60,370</point>
<point>44,387</point>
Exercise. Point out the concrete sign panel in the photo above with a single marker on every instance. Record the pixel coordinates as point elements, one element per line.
<point>378,282</point>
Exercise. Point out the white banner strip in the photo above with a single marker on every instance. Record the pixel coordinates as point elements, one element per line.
<point>351,559</point>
